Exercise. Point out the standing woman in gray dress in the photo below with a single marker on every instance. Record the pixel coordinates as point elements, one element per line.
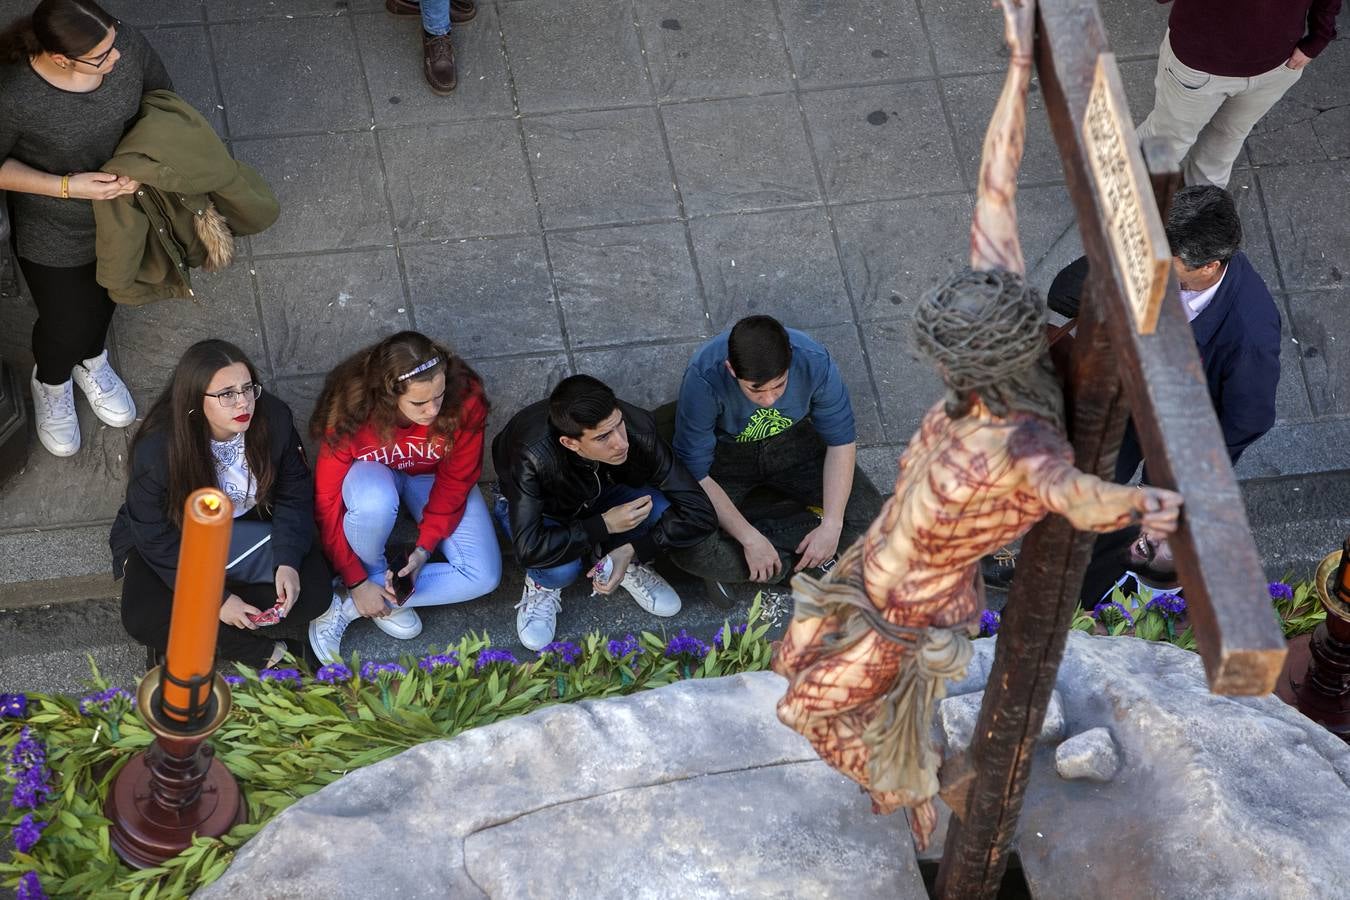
<point>71,80</point>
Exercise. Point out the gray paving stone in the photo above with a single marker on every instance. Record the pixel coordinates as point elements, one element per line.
<point>1312,121</point>
<point>1314,247</point>
<point>633,282</point>
<point>42,496</point>
<point>881,141</point>
<point>229,10</point>
<point>300,394</point>
<point>330,189</point>
<point>1255,232</point>
<point>851,41</point>
<point>1323,348</point>
<point>895,250</point>
<point>710,48</point>
<point>908,386</point>
<point>1048,230</point>
<point>287,75</point>
<point>511,385</point>
<point>144,13</point>
<point>1134,29</point>
<point>1298,448</point>
<point>585,55</point>
<point>315,315</point>
<point>595,168</point>
<point>1292,403</point>
<point>484,298</point>
<point>967,35</point>
<point>845,349</point>
<point>881,464</point>
<point>391,50</point>
<point>971,100</point>
<point>186,56</point>
<point>779,263</point>
<point>452,181</point>
<point>648,376</point>
<point>719,170</point>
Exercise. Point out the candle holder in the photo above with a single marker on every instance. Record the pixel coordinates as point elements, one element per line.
<point>176,789</point>
<point>1317,676</point>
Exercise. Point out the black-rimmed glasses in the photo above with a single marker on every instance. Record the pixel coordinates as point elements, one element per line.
<point>102,57</point>
<point>231,397</point>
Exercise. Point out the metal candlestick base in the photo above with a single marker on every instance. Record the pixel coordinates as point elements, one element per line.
<point>174,790</point>
<point>1317,679</point>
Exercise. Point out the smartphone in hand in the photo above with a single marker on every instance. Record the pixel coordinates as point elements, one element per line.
<point>402,585</point>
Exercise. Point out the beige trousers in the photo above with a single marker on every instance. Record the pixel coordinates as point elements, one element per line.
<point>1205,118</point>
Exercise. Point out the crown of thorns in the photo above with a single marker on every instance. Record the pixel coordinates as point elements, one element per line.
<point>980,328</point>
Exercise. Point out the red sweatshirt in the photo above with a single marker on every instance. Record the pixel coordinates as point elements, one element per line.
<point>1242,38</point>
<point>456,463</point>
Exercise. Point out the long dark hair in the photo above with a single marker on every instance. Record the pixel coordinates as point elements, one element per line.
<point>178,414</point>
<point>67,27</point>
<point>365,387</point>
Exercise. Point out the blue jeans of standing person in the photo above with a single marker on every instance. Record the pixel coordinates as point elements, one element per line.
<point>560,576</point>
<point>436,17</point>
<point>371,493</point>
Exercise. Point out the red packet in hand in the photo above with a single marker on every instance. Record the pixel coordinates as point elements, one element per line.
<point>268,617</point>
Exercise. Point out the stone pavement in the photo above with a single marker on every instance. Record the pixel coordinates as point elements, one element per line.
<point>616,180</point>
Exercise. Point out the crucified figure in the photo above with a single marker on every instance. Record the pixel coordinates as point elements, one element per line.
<point>871,645</point>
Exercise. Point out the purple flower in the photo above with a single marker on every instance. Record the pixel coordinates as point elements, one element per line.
<point>735,629</point>
<point>563,650</point>
<point>1100,610</point>
<point>1167,603</point>
<point>13,706</point>
<point>620,649</point>
<point>990,620</point>
<point>282,676</point>
<point>489,656</point>
<point>234,680</point>
<point>333,672</point>
<point>1280,591</point>
<point>103,700</point>
<point>27,832</point>
<point>372,670</point>
<point>28,767</point>
<point>685,644</point>
<point>429,663</point>
<point>30,888</point>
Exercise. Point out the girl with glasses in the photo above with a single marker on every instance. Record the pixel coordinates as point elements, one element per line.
<point>400,424</point>
<point>71,80</point>
<point>214,426</point>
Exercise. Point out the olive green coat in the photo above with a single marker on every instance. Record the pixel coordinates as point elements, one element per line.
<point>193,197</point>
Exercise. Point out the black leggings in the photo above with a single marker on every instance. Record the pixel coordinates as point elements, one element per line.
<point>147,603</point>
<point>73,315</point>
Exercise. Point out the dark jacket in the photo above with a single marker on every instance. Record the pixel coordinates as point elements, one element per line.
<point>142,522</point>
<point>194,197</point>
<point>551,490</point>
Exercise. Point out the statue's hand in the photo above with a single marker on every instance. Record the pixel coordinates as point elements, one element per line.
<point>1157,509</point>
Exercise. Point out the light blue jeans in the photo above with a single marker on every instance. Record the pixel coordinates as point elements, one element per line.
<point>372,491</point>
<point>436,16</point>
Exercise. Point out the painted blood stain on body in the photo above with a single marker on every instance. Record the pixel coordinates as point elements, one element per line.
<point>877,117</point>
<point>671,24</point>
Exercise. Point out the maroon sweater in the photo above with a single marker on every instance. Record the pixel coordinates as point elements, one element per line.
<point>1242,38</point>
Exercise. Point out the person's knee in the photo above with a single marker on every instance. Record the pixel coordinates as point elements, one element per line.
<point>369,489</point>
<point>559,576</point>
<point>486,573</point>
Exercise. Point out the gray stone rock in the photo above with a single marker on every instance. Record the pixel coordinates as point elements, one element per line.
<point>1091,756</point>
<point>957,717</point>
<point>693,790</point>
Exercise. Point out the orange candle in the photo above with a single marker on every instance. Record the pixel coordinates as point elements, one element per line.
<point>200,585</point>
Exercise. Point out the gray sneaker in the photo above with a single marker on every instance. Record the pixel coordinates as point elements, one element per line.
<point>325,632</point>
<point>537,614</point>
<point>652,592</point>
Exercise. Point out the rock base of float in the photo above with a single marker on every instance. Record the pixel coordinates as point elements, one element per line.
<point>696,790</point>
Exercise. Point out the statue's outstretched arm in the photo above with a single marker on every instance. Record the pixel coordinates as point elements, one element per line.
<point>993,234</point>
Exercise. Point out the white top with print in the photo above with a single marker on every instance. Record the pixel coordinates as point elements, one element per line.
<point>232,474</point>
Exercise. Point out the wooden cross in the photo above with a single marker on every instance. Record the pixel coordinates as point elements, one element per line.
<point>1124,360</point>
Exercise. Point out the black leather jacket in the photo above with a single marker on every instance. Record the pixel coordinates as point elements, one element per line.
<point>551,490</point>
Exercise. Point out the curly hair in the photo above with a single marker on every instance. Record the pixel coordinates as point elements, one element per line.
<point>985,331</point>
<point>364,388</point>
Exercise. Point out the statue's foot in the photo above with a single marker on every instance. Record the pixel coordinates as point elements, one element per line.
<point>1019,20</point>
<point>922,821</point>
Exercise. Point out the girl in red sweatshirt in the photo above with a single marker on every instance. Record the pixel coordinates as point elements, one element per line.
<point>401,423</point>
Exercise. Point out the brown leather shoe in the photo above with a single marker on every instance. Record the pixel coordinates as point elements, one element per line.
<point>438,62</point>
<point>461,11</point>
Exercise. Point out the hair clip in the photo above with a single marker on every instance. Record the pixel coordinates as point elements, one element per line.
<point>429,364</point>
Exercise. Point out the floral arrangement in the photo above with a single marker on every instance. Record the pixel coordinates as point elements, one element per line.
<point>290,733</point>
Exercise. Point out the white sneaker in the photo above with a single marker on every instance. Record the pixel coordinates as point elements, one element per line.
<point>403,623</point>
<point>652,592</point>
<point>325,632</point>
<point>58,427</point>
<point>107,394</point>
<point>538,614</point>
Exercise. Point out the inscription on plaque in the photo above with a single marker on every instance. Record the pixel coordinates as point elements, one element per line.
<point>1138,242</point>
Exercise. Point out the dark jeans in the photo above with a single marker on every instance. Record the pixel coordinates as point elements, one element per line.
<point>147,603</point>
<point>786,467</point>
<point>73,315</point>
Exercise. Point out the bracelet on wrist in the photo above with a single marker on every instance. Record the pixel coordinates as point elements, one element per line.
<point>65,187</point>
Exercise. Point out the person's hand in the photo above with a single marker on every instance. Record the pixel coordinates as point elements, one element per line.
<point>627,516</point>
<point>621,557</point>
<point>416,560</point>
<point>762,558</point>
<point>288,588</point>
<point>1298,60</point>
<point>234,611</point>
<point>100,185</point>
<point>819,545</point>
<point>1157,510</point>
<point>372,600</point>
